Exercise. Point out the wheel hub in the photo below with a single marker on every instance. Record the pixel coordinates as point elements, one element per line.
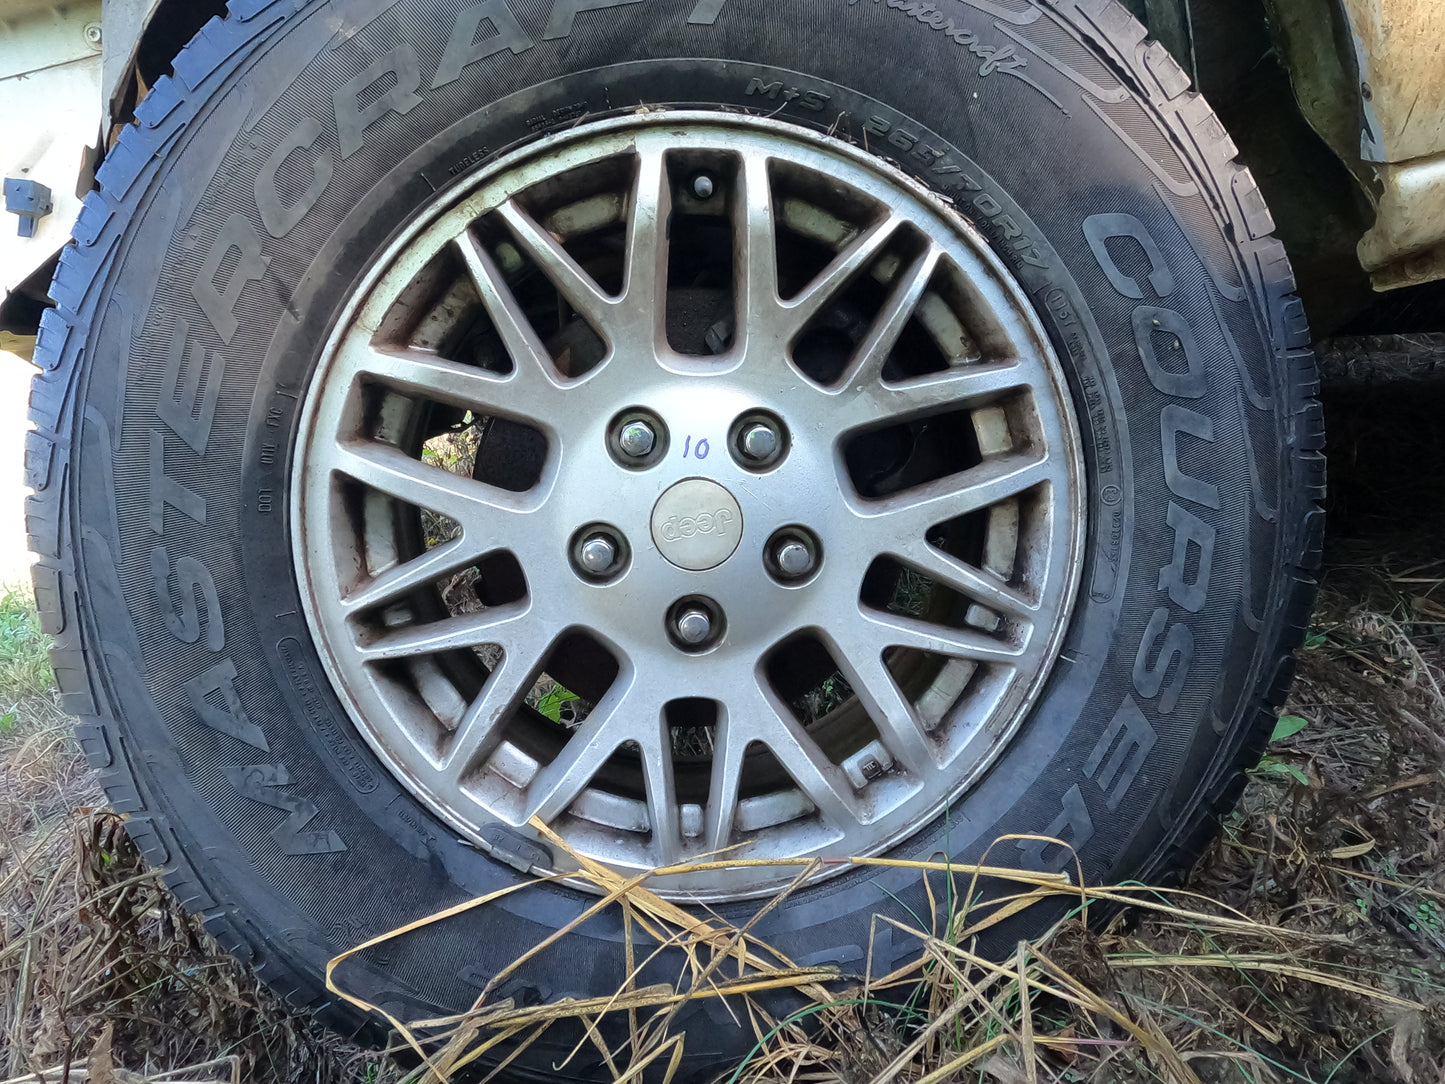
<point>685,516</point>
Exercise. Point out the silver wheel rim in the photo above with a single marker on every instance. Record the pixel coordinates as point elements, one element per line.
<point>465,443</point>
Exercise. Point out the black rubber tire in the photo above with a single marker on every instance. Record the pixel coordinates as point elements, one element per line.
<point>1074,145</point>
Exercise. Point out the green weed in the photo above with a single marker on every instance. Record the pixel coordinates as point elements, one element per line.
<point>24,649</point>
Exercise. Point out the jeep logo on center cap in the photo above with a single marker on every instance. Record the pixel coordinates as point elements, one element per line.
<point>697,524</point>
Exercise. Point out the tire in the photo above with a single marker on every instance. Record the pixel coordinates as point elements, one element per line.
<point>192,313</point>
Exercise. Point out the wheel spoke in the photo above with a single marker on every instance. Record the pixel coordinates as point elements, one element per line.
<point>898,724</point>
<point>840,271</point>
<point>866,366</point>
<point>645,279</point>
<point>576,285</point>
<point>398,475</point>
<point>521,394</point>
<point>529,357</point>
<point>501,695</point>
<point>965,387</point>
<point>768,720</point>
<point>976,583</point>
<point>402,579</point>
<point>910,513</point>
<point>727,772</point>
<point>755,253</point>
<point>450,633</point>
<point>895,630</point>
<point>606,727</point>
<point>655,745</point>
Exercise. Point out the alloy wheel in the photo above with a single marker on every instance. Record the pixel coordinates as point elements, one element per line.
<point>686,481</point>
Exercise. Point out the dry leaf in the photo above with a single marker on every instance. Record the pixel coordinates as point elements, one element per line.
<point>100,1066</point>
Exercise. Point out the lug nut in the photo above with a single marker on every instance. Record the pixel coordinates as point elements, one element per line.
<point>598,552</point>
<point>693,625</point>
<point>792,554</point>
<point>637,439</point>
<point>597,555</point>
<point>702,186</point>
<point>759,441</point>
<point>793,558</point>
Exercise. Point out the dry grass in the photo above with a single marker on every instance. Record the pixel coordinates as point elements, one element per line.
<point>1310,945</point>
<point>1077,1004</point>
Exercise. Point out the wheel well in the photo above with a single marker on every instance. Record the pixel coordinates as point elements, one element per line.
<point>170,28</point>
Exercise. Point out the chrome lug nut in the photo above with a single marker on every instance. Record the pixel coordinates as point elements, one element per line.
<point>637,439</point>
<point>598,554</point>
<point>793,558</point>
<point>693,625</point>
<point>792,555</point>
<point>759,442</point>
<point>702,186</point>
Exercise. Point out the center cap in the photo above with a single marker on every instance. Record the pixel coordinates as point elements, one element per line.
<point>697,524</point>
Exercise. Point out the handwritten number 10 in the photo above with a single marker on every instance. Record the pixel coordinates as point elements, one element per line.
<point>699,451</point>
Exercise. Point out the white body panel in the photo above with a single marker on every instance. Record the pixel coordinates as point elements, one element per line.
<point>50,109</point>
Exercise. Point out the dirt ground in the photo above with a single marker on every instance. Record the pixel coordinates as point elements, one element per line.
<point>1310,945</point>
